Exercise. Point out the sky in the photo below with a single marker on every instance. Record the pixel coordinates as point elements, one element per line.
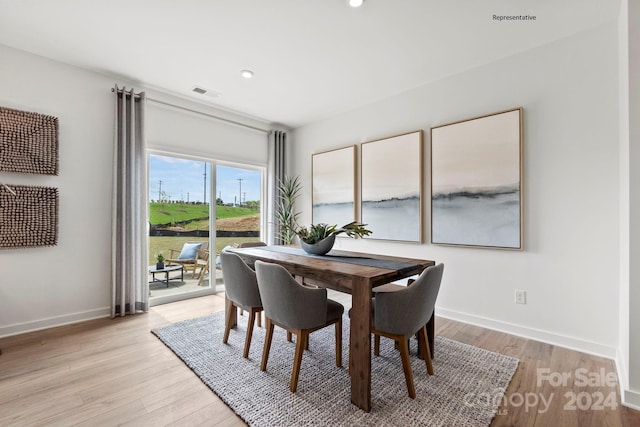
<point>182,179</point>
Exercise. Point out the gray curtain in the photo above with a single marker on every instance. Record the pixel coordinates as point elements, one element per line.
<point>277,145</point>
<point>129,281</point>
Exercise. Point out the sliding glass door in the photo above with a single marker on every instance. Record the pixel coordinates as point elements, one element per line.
<point>196,208</point>
<point>238,205</point>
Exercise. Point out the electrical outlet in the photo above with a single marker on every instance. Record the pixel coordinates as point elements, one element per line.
<point>520,296</point>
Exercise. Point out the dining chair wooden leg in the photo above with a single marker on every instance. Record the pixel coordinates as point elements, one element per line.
<point>349,356</point>
<point>397,346</point>
<point>289,337</point>
<point>301,340</point>
<point>247,339</point>
<point>259,319</point>
<point>425,350</point>
<point>339,344</point>
<point>267,344</point>
<point>231,313</point>
<point>406,365</point>
<point>376,344</point>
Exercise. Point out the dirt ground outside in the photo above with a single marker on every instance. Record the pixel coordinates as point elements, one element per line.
<point>242,223</point>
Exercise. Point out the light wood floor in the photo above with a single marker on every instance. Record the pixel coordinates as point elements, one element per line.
<point>92,374</point>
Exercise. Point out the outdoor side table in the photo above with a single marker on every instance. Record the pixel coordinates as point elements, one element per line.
<point>166,270</point>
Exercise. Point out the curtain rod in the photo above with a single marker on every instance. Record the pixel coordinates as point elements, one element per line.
<point>212,116</point>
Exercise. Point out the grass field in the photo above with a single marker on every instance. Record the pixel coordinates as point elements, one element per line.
<point>227,218</point>
<point>172,213</point>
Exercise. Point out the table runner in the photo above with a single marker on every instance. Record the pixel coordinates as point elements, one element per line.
<point>400,266</point>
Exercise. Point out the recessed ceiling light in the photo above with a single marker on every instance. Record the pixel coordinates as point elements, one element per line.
<point>355,3</point>
<point>247,74</point>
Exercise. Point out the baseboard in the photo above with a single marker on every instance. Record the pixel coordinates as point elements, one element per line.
<point>51,322</point>
<point>621,371</point>
<point>530,333</point>
<point>631,399</point>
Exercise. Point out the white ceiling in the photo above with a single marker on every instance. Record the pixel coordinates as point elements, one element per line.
<point>312,58</point>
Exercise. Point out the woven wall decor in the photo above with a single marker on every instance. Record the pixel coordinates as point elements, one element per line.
<point>29,218</point>
<point>28,142</point>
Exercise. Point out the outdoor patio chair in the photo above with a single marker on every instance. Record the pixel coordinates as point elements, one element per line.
<point>187,256</point>
<point>202,262</point>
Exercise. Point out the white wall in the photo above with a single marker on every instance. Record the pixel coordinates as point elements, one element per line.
<point>569,266</point>
<point>632,395</point>
<point>634,140</point>
<point>627,361</point>
<point>49,286</point>
<point>622,361</point>
<point>70,281</point>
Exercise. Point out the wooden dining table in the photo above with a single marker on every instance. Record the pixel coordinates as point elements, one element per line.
<point>354,273</point>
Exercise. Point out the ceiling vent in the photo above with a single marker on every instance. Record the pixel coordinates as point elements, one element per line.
<point>206,92</point>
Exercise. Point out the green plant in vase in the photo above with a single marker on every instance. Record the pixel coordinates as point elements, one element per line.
<point>160,261</point>
<point>318,239</point>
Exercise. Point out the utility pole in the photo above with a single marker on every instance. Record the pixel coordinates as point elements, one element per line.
<point>160,191</point>
<point>205,184</point>
<point>240,193</point>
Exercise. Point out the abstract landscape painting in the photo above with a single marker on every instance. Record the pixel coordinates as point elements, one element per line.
<point>476,181</point>
<point>392,187</point>
<point>334,175</point>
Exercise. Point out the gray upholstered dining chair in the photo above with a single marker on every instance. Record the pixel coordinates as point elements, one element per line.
<point>401,314</point>
<point>242,291</point>
<point>252,244</point>
<point>297,309</point>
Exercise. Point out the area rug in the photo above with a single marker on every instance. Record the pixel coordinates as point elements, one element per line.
<point>466,389</point>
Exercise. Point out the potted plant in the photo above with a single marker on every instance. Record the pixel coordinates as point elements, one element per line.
<point>159,261</point>
<point>318,239</point>
<point>288,191</point>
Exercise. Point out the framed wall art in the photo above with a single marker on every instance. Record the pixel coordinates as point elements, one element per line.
<point>28,216</point>
<point>28,142</point>
<point>391,203</point>
<point>334,186</point>
<point>476,181</point>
